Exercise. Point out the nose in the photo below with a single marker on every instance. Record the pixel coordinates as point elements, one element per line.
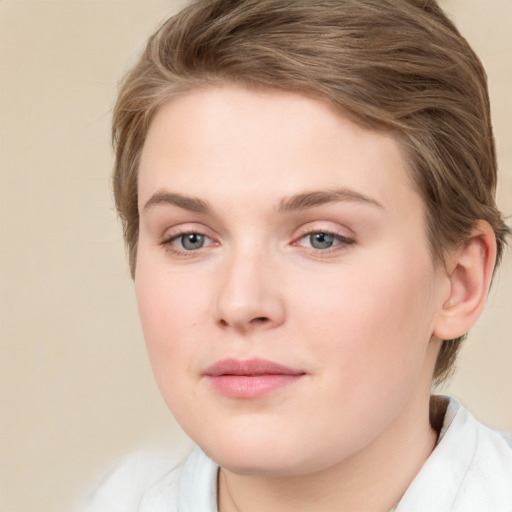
<point>249,296</point>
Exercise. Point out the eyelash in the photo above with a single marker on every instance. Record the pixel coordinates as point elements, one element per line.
<point>342,244</point>
<point>167,243</point>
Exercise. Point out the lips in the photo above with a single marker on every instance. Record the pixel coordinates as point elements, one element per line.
<point>253,378</point>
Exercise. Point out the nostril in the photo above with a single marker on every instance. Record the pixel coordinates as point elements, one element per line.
<point>260,320</point>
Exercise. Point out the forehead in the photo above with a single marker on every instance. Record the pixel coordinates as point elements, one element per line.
<point>231,142</point>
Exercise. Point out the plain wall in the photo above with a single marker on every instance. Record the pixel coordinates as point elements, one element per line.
<point>76,390</point>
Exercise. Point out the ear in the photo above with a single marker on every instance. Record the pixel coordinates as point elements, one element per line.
<point>469,271</point>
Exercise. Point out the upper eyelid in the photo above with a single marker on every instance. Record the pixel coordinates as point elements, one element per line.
<point>342,238</point>
<point>308,231</point>
<point>185,229</point>
<point>179,234</point>
<point>308,228</point>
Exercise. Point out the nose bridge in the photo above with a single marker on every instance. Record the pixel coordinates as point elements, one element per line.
<point>248,295</point>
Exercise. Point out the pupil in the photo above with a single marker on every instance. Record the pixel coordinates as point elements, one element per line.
<point>321,240</point>
<point>192,241</point>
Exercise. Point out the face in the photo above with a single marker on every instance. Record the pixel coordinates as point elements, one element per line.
<point>284,280</point>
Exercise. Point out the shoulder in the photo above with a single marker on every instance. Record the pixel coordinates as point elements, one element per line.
<point>470,470</point>
<point>488,480</point>
<point>144,481</point>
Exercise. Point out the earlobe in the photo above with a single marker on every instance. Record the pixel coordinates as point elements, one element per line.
<point>470,270</point>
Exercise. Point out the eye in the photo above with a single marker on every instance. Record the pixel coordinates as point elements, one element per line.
<point>187,242</point>
<point>191,241</point>
<point>322,240</point>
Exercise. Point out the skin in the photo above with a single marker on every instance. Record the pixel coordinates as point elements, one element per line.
<point>360,319</point>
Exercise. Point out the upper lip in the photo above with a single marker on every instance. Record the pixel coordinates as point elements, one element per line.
<point>254,366</point>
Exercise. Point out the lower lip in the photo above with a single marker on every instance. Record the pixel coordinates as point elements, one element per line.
<point>251,386</point>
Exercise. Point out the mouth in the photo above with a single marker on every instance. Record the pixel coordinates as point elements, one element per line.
<point>253,378</point>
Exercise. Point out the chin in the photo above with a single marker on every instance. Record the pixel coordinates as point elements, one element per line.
<point>265,455</point>
<point>265,464</point>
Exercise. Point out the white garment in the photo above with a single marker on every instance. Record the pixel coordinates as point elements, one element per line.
<point>470,470</point>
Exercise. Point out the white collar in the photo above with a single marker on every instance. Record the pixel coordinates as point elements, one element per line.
<point>470,470</point>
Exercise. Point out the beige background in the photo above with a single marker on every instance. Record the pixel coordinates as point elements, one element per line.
<point>76,390</point>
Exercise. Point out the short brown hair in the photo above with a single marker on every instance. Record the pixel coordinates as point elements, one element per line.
<point>394,65</point>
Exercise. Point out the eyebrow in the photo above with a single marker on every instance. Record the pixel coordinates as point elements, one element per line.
<point>298,202</point>
<point>192,204</point>
<point>307,200</point>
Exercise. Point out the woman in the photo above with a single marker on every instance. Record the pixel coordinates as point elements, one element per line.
<point>307,195</point>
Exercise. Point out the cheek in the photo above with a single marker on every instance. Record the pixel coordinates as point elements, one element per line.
<point>368,332</point>
<point>375,320</point>
<point>168,299</point>
<point>171,310</point>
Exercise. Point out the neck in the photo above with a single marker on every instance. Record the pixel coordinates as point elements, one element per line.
<point>372,480</point>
